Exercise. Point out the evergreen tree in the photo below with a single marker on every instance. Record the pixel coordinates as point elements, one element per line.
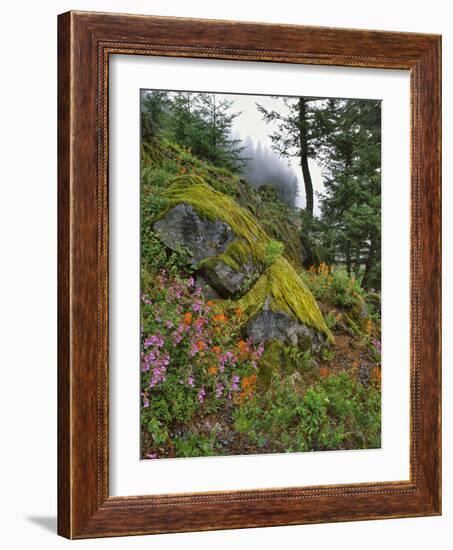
<point>215,140</point>
<point>350,154</point>
<point>182,118</point>
<point>295,135</point>
<point>154,112</point>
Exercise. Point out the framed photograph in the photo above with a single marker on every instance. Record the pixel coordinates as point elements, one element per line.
<point>249,275</point>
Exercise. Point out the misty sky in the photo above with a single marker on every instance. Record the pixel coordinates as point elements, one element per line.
<point>250,123</point>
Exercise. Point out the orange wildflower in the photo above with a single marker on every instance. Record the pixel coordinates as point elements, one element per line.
<point>219,317</point>
<point>249,381</point>
<point>200,345</point>
<point>216,349</point>
<point>210,303</point>
<point>212,371</point>
<point>188,318</point>
<point>323,372</point>
<point>241,397</point>
<point>243,348</point>
<point>376,375</point>
<point>248,387</point>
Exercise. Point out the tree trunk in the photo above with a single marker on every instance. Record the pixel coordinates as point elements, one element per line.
<point>304,155</point>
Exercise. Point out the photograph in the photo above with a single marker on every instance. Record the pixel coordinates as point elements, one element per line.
<point>260,258</point>
<point>226,247</point>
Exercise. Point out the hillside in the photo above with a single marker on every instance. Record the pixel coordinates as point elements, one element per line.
<point>270,356</point>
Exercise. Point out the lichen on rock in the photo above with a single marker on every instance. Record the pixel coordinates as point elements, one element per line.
<point>215,206</point>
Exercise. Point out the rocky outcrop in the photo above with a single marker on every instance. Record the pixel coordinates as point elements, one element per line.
<point>182,226</point>
<point>360,312</point>
<point>277,325</point>
<point>227,280</point>
<point>237,260</point>
<point>207,240</point>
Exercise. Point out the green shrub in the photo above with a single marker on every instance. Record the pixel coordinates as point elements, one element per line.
<point>333,285</point>
<point>194,444</point>
<point>335,413</point>
<point>274,249</point>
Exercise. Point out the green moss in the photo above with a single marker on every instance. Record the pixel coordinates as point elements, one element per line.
<point>153,153</point>
<point>214,205</point>
<point>236,255</point>
<point>285,292</point>
<point>352,325</point>
<point>272,360</point>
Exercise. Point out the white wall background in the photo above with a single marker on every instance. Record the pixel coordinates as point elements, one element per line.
<point>28,216</point>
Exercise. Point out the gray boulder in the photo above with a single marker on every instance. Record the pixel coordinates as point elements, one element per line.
<point>277,325</point>
<point>227,280</point>
<point>204,238</point>
<point>209,293</point>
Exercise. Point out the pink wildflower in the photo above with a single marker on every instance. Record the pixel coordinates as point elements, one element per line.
<point>201,394</point>
<point>235,382</point>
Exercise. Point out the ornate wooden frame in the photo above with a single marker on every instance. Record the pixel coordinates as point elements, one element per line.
<point>85,41</point>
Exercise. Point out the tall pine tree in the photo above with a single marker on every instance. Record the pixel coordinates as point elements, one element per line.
<point>215,132</point>
<point>155,107</point>
<point>350,154</point>
<point>295,135</point>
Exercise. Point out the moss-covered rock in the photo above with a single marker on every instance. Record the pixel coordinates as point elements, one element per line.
<point>276,303</point>
<point>216,206</point>
<point>272,361</point>
<point>279,298</point>
<point>183,227</point>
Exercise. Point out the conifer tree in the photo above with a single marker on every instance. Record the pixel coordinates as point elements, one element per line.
<point>350,154</point>
<point>295,135</point>
<point>154,112</point>
<point>216,143</point>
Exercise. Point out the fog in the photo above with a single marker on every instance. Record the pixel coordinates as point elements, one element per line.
<point>263,167</point>
<point>251,129</point>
